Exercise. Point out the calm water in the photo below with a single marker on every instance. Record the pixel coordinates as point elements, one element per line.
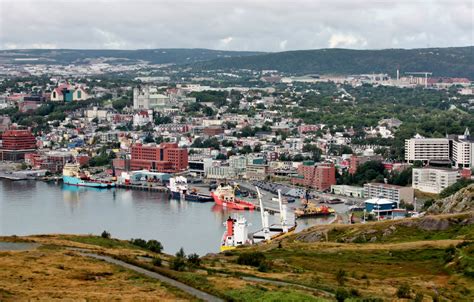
<point>29,207</point>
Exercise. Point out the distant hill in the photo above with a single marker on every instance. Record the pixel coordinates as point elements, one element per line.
<point>155,56</point>
<point>452,62</point>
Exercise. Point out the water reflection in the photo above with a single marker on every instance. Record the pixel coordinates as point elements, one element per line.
<point>29,207</point>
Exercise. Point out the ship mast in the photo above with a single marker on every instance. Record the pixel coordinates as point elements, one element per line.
<point>264,216</point>
<point>283,221</point>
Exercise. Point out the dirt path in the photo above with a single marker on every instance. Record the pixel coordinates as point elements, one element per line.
<point>186,288</point>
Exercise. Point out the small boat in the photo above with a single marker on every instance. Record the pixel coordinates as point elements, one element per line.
<point>311,209</point>
<point>224,195</point>
<point>236,233</point>
<point>72,175</point>
<point>179,190</point>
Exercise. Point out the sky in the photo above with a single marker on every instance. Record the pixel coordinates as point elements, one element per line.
<point>256,25</point>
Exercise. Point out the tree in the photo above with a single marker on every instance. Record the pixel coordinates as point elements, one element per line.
<point>208,111</point>
<point>159,120</point>
<point>154,246</point>
<point>105,235</point>
<point>298,157</point>
<point>194,259</point>
<point>221,156</point>
<point>246,149</point>
<point>179,262</point>
<point>148,138</point>
<point>462,183</point>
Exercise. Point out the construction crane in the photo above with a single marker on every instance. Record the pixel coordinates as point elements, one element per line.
<point>422,73</point>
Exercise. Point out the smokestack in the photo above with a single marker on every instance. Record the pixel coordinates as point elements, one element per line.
<point>398,75</point>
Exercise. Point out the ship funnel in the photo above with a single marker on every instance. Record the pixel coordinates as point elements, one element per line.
<point>230,226</point>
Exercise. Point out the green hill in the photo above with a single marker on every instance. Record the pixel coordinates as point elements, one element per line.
<point>155,56</point>
<point>452,62</point>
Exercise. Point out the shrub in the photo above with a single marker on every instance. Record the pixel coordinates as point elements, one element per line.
<point>154,246</point>
<point>105,235</point>
<point>180,253</point>
<point>151,245</point>
<point>194,259</point>
<point>450,252</point>
<point>419,297</point>
<point>156,261</point>
<point>403,291</point>
<point>138,242</point>
<point>341,276</point>
<point>178,264</point>
<point>341,294</point>
<point>264,266</point>
<point>252,259</point>
<point>354,292</point>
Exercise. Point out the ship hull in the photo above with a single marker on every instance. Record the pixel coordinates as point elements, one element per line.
<point>238,205</point>
<point>192,197</point>
<point>74,181</point>
<point>313,215</point>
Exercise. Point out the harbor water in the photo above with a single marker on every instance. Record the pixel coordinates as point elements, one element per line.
<point>34,207</point>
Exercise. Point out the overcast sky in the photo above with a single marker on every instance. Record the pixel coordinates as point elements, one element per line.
<point>264,25</point>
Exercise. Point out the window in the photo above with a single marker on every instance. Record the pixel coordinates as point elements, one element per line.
<point>79,94</point>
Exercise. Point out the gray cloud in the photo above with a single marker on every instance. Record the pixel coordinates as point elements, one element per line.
<point>266,25</point>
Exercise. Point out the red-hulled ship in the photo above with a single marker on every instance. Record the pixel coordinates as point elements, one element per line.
<point>224,195</point>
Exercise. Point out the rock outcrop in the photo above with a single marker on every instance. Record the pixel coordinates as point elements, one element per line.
<point>461,201</point>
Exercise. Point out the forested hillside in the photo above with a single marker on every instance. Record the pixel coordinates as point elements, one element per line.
<point>452,62</point>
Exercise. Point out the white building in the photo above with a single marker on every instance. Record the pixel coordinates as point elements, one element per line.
<point>148,98</point>
<point>199,165</point>
<point>238,163</point>
<point>463,151</point>
<point>142,118</point>
<point>222,172</point>
<point>345,190</point>
<point>100,114</point>
<point>426,149</point>
<point>433,180</point>
<point>392,192</point>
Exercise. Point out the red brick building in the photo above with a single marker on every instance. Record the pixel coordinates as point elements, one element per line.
<point>166,157</point>
<point>213,130</point>
<point>320,176</point>
<point>356,161</point>
<point>16,143</point>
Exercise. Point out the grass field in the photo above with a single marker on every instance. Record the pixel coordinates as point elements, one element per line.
<point>429,258</point>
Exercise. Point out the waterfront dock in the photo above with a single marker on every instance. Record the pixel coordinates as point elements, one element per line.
<point>12,177</point>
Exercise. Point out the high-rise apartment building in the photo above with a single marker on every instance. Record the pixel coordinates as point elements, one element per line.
<point>426,149</point>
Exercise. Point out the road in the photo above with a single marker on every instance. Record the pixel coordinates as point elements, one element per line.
<point>186,288</point>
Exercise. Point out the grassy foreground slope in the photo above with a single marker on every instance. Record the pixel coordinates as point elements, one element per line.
<point>423,259</point>
<point>52,271</point>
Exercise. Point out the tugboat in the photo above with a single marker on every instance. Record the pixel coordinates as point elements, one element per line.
<point>72,175</point>
<point>310,209</point>
<point>236,233</point>
<point>224,195</point>
<point>179,190</point>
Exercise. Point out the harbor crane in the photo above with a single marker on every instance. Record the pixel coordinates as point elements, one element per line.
<point>425,73</point>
